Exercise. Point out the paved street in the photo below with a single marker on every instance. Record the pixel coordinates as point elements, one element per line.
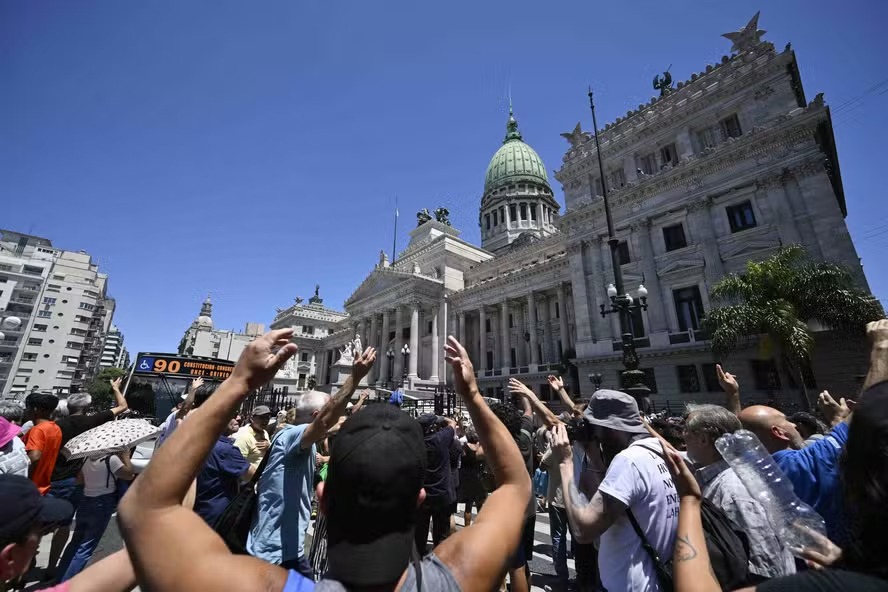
<point>542,567</point>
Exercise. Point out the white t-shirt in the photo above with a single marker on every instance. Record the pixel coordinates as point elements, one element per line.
<point>638,477</point>
<point>14,459</point>
<point>96,480</point>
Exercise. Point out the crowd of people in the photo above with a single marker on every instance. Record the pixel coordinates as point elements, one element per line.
<point>646,504</point>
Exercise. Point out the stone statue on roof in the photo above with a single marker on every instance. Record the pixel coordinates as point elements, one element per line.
<point>423,216</point>
<point>442,215</point>
<point>747,38</point>
<point>577,137</point>
<point>664,84</point>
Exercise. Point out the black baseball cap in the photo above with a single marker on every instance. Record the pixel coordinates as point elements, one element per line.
<point>377,466</point>
<point>22,507</point>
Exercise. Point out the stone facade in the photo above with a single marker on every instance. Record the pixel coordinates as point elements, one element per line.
<point>723,168</point>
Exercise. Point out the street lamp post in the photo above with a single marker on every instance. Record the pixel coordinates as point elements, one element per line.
<point>622,303</point>
<point>390,354</point>
<point>405,351</point>
<point>595,378</point>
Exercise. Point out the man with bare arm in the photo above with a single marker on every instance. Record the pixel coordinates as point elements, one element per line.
<point>155,526</point>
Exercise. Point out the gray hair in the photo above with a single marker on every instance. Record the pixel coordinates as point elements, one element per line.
<point>79,402</point>
<point>12,411</point>
<point>710,420</point>
<point>306,404</point>
<point>61,410</point>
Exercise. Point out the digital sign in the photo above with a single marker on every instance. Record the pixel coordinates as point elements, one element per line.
<point>183,366</point>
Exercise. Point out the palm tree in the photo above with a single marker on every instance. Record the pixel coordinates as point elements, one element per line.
<point>779,297</point>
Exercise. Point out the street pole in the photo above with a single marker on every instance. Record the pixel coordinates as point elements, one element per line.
<point>622,304</point>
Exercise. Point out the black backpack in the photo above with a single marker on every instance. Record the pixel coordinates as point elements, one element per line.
<point>728,547</point>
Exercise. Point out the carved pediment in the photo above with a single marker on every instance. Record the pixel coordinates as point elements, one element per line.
<point>681,265</point>
<point>747,249</point>
<point>378,281</point>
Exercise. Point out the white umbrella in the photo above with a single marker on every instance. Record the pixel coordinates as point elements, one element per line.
<point>110,438</point>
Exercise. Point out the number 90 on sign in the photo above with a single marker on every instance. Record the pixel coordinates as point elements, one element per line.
<point>173,366</point>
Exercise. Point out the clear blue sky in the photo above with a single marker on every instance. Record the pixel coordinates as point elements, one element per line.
<point>250,150</point>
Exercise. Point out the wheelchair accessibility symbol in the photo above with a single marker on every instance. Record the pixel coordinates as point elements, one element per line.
<point>146,365</point>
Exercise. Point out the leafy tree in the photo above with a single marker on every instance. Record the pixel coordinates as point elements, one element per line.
<point>779,297</point>
<point>100,387</point>
<point>312,383</point>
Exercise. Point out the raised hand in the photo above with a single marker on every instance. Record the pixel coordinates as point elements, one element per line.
<point>263,357</point>
<point>196,384</point>
<point>834,412</point>
<point>727,381</point>
<point>463,371</point>
<point>684,480</point>
<point>556,382</point>
<point>365,393</point>
<point>877,332</point>
<point>363,363</point>
<point>561,448</point>
<point>518,387</point>
<point>115,384</point>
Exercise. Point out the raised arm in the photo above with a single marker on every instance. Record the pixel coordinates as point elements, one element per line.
<point>479,555</point>
<point>729,384</point>
<point>557,385</point>
<point>120,404</point>
<point>877,332</point>
<point>188,403</point>
<point>587,521</point>
<point>357,406</point>
<point>529,397</point>
<point>114,573</point>
<point>154,523</point>
<point>335,407</point>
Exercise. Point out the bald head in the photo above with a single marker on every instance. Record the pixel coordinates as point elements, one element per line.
<point>771,428</point>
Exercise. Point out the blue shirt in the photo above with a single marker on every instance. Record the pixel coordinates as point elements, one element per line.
<point>278,530</point>
<point>814,474</point>
<point>218,480</point>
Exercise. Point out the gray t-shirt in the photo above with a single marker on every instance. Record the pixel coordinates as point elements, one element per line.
<point>436,577</point>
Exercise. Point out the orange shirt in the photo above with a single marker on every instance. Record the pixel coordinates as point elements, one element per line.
<point>47,438</point>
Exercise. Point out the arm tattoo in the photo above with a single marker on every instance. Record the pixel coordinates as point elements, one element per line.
<point>684,551</point>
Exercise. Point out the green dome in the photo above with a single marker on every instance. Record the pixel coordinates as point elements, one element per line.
<point>514,162</point>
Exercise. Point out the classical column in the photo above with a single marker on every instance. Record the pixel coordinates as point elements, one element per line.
<point>435,355</point>
<point>381,358</point>
<point>547,330</point>
<point>462,327</point>
<point>532,329</point>
<point>399,344</point>
<point>562,313</point>
<point>504,335</point>
<point>656,312</point>
<point>701,222</point>
<point>616,330</point>
<point>482,339</point>
<point>373,339</point>
<point>414,340</point>
<point>582,313</point>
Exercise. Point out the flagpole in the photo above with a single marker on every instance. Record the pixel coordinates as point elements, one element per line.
<point>395,234</point>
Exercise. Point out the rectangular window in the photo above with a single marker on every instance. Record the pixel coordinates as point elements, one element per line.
<point>301,382</point>
<point>557,310</point>
<point>540,352</point>
<point>73,345</point>
<point>48,300</point>
<point>28,357</point>
<point>513,358</point>
<point>730,127</point>
<point>623,253</point>
<point>490,360</point>
<point>44,314</point>
<point>637,323</point>
<point>53,288</point>
<point>710,378</point>
<point>616,179</point>
<point>687,379</point>
<point>741,216</point>
<point>87,306</point>
<point>706,138</point>
<point>487,220</point>
<point>494,218</point>
<point>765,375</point>
<point>533,212</point>
<point>35,341</point>
<point>503,214</point>
<point>523,209</point>
<point>668,155</point>
<point>303,356</point>
<point>511,321</point>
<point>599,188</point>
<point>688,307</point>
<point>487,325</point>
<point>429,328</point>
<point>649,164</point>
<point>513,212</point>
<point>32,270</point>
<point>308,329</point>
<point>40,328</point>
<point>674,237</point>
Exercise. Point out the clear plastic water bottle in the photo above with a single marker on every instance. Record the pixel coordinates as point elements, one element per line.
<point>797,524</point>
